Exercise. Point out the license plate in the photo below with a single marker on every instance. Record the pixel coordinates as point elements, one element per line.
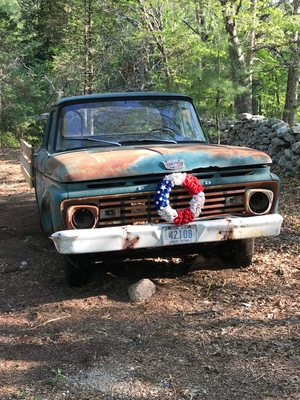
<point>179,234</point>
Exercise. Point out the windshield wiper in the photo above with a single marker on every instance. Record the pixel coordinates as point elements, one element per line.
<point>192,141</point>
<point>149,140</point>
<point>79,138</point>
<point>85,146</point>
<point>102,141</point>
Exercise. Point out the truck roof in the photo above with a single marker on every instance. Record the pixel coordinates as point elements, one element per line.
<point>121,95</point>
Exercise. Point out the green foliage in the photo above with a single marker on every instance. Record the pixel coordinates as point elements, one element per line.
<point>24,394</point>
<point>58,377</point>
<point>165,45</point>
<point>8,139</point>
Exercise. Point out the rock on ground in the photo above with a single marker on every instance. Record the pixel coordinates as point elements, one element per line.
<point>141,291</point>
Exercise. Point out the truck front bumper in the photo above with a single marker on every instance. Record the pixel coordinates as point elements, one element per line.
<point>158,235</point>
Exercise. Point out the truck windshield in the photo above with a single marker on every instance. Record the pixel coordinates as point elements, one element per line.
<point>127,122</point>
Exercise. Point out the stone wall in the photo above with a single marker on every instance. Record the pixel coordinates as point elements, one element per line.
<point>271,135</point>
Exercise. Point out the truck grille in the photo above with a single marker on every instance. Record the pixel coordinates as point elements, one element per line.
<point>138,208</point>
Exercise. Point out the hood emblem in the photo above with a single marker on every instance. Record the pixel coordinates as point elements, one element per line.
<point>173,164</point>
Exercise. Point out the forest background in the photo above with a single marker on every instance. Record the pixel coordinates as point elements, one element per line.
<point>231,56</point>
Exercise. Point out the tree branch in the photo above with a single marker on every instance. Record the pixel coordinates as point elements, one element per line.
<point>272,46</point>
<point>190,26</point>
<point>238,7</point>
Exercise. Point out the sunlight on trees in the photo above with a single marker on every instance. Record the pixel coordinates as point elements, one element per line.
<point>230,56</point>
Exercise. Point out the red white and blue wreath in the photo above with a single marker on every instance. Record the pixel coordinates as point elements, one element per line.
<point>162,195</point>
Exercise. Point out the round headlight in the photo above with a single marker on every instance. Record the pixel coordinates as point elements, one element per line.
<point>83,218</point>
<point>260,201</point>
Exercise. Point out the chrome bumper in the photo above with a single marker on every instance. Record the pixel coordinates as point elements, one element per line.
<point>152,235</point>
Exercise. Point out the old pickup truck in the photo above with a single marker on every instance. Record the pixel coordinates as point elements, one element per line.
<point>120,172</point>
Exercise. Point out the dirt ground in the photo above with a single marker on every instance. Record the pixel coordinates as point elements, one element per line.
<point>206,333</point>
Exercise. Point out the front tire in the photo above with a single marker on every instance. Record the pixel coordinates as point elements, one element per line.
<point>76,269</point>
<point>238,253</point>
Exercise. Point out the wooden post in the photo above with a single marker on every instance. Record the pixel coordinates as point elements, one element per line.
<point>26,160</point>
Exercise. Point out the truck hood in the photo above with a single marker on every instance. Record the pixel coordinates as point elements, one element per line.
<point>101,163</point>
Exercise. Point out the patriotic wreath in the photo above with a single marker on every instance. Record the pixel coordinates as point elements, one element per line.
<point>162,195</point>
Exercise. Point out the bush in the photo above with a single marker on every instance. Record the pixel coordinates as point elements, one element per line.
<point>32,132</point>
<point>8,139</point>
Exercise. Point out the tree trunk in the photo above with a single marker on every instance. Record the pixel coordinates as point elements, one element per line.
<point>250,59</point>
<point>152,17</point>
<point>88,42</point>
<point>200,21</point>
<point>0,98</point>
<point>255,97</point>
<point>291,97</point>
<point>239,71</point>
<point>0,106</point>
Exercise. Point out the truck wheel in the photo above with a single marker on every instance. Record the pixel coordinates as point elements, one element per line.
<point>76,269</point>
<point>238,253</point>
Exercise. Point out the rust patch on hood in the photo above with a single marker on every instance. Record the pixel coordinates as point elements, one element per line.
<point>218,151</point>
<point>99,163</point>
<point>89,165</point>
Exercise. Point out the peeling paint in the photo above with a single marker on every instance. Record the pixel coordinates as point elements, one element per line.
<point>227,234</point>
<point>92,164</point>
<point>129,241</point>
